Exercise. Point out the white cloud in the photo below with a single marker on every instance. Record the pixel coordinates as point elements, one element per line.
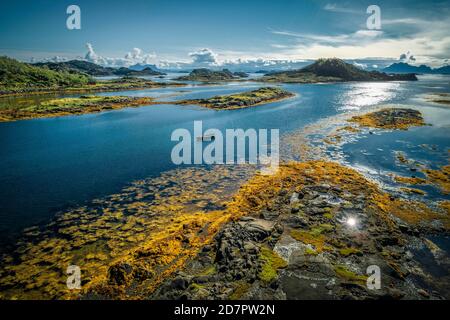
<point>204,57</point>
<point>136,56</point>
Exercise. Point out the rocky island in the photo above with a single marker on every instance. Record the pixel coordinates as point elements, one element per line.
<point>390,118</point>
<point>333,70</point>
<point>242,100</point>
<point>206,75</point>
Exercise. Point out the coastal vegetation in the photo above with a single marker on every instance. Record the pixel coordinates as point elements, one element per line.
<point>242,100</point>
<point>18,78</point>
<point>332,70</point>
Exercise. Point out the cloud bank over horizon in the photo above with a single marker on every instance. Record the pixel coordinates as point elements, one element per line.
<point>208,58</point>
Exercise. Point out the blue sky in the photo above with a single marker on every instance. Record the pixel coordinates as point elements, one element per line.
<point>213,32</point>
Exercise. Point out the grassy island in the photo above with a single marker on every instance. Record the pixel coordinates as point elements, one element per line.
<point>72,106</point>
<point>206,75</point>
<point>242,100</point>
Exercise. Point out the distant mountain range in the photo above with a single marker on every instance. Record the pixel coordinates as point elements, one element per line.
<point>333,70</point>
<point>402,67</point>
<point>140,67</point>
<point>92,69</point>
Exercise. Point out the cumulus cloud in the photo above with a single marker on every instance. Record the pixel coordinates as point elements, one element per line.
<point>51,59</point>
<point>204,57</point>
<point>360,65</point>
<point>136,56</point>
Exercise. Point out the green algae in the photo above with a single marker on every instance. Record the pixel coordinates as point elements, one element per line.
<point>349,276</point>
<point>349,251</point>
<point>272,262</point>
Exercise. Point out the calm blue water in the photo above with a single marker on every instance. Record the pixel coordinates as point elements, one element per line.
<point>47,164</point>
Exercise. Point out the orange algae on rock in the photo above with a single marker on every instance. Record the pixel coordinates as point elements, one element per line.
<point>149,229</point>
<point>128,250</point>
<point>440,178</point>
<point>413,191</point>
<point>263,188</point>
<point>409,180</point>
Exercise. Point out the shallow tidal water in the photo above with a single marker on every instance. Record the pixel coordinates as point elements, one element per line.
<point>50,164</point>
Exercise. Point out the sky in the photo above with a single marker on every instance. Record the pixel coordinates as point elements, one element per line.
<point>172,33</point>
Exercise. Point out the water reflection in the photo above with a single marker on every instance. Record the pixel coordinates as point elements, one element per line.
<point>361,95</point>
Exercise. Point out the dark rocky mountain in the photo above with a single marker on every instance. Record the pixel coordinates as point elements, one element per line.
<point>331,70</point>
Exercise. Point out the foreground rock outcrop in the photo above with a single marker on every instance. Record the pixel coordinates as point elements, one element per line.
<point>310,232</point>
